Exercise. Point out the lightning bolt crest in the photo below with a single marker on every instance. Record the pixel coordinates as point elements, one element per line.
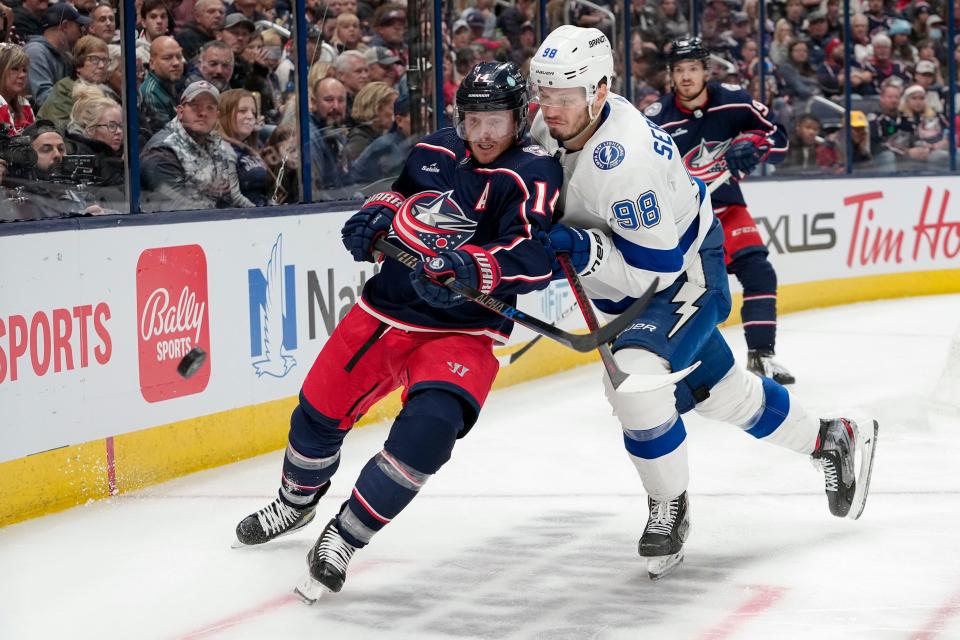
<point>686,301</point>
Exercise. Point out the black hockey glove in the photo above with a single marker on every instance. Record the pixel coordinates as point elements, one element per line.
<point>371,222</point>
<point>585,247</point>
<point>469,265</point>
<point>746,152</point>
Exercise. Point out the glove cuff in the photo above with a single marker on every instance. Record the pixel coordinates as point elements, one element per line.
<point>599,250</point>
<point>488,269</point>
<point>389,199</point>
<point>758,139</point>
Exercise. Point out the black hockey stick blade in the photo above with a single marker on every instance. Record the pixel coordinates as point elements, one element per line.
<point>584,343</point>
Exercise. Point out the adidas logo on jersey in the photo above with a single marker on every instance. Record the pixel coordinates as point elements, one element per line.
<point>430,168</point>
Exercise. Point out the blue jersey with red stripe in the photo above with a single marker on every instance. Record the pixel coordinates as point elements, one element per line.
<point>504,208</point>
<point>704,136</point>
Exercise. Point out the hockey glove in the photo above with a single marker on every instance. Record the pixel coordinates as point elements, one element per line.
<point>745,153</point>
<point>371,222</point>
<point>585,247</point>
<point>469,265</point>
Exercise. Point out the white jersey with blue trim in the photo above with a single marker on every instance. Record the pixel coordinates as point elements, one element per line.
<point>629,184</point>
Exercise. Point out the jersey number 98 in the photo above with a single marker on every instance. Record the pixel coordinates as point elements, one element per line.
<point>645,212</point>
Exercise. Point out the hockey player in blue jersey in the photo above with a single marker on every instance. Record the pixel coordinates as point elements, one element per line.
<point>718,127</point>
<point>475,204</point>
<point>631,213</point>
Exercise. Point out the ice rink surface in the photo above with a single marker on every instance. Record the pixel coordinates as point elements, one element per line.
<point>531,530</point>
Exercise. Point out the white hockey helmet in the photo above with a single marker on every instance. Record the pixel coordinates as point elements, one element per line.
<point>572,57</point>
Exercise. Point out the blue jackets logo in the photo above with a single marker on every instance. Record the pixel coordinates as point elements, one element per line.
<point>273,315</point>
<point>608,154</point>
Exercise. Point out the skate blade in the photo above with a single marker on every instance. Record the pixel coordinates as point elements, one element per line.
<point>661,566</point>
<point>310,590</point>
<point>866,443</point>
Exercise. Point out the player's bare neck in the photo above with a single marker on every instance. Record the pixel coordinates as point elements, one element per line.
<point>577,142</point>
<point>697,102</point>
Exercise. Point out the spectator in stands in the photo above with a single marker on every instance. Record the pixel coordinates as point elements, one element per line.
<point>282,156</point>
<point>860,34</point>
<point>926,77</point>
<point>238,124</point>
<point>6,22</point>
<point>830,73</point>
<point>158,93</point>
<point>187,165</point>
<point>95,128</point>
<point>103,23</point>
<point>513,17</point>
<point>902,51</point>
<point>927,50</point>
<point>384,157</point>
<point>327,136</point>
<point>481,19</point>
<point>91,60</point>
<point>373,114</point>
<point>818,36</point>
<point>883,65</point>
<point>878,18</point>
<point>352,70</point>
<point>246,8</point>
<point>929,141</point>
<point>154,22</point>
<point>782,37</point>
<point>390,22</point>
<point>214,64</point>
<point>383,66</point>
<point>237,31</point>
<point>808,152</point>
<point>888,124</point>
<point>278,70</point>
<point>462,36</point>
<point>347,34</point>
<point>673,22</point>
<point>15,111</point>
<point>864,155</point>
<point>28,18</point>
<point>794,12</point>
<point>207,20</point>
<point>798,75</point>
<point>526,45</point>
<point>49,53</point>
<point>834,19</point>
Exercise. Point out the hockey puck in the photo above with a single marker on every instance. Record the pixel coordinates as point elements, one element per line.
<point>191,362</point>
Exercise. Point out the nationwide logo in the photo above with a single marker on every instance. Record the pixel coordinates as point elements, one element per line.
<point>679,132</point>
<point>273,315</point>
<point>172,318</point>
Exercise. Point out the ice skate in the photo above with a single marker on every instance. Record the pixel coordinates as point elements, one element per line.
<point>663,537</point>
<point>327,561</point>
<point>847,479</point>
<point>761,362</point>
<point>275,520</point>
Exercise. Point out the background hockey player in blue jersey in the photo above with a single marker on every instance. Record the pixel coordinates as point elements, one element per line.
<point>632,213</point>
<point>475,205</point>
<point>718,127</point>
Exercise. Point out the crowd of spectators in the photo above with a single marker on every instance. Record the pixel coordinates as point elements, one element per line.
<point>217,115</point>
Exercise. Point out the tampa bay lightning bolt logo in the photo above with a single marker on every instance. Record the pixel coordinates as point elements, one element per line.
<point>608,154</point>
<point>705,161</point>
<point>431,221</point>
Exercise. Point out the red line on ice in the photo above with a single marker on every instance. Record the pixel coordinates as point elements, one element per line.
<point>753,607</point>
<point>243,616</point>
<point>940,617</point>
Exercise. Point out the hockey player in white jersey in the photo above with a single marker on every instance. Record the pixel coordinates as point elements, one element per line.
<point>631,213</point>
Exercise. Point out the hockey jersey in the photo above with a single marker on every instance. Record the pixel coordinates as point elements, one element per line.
<point>705,135</point>
<point>504,207</point>
<point>628,184</point>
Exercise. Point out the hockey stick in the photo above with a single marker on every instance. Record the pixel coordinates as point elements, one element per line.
<point>580,342</point>
<point>720,181</point>
<point>510,358</point>
<point>621,380</point>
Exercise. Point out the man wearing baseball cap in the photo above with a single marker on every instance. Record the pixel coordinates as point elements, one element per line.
<point>383,65</point>
<point>925,75</point>
<point>49,53</point>
<point>187,165</point>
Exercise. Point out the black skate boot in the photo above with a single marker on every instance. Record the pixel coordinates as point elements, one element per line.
<point>327,560</point>
<point>847,482</point>
<point>663,537</point>
<point>275,520</point>
<point>761,362</point>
